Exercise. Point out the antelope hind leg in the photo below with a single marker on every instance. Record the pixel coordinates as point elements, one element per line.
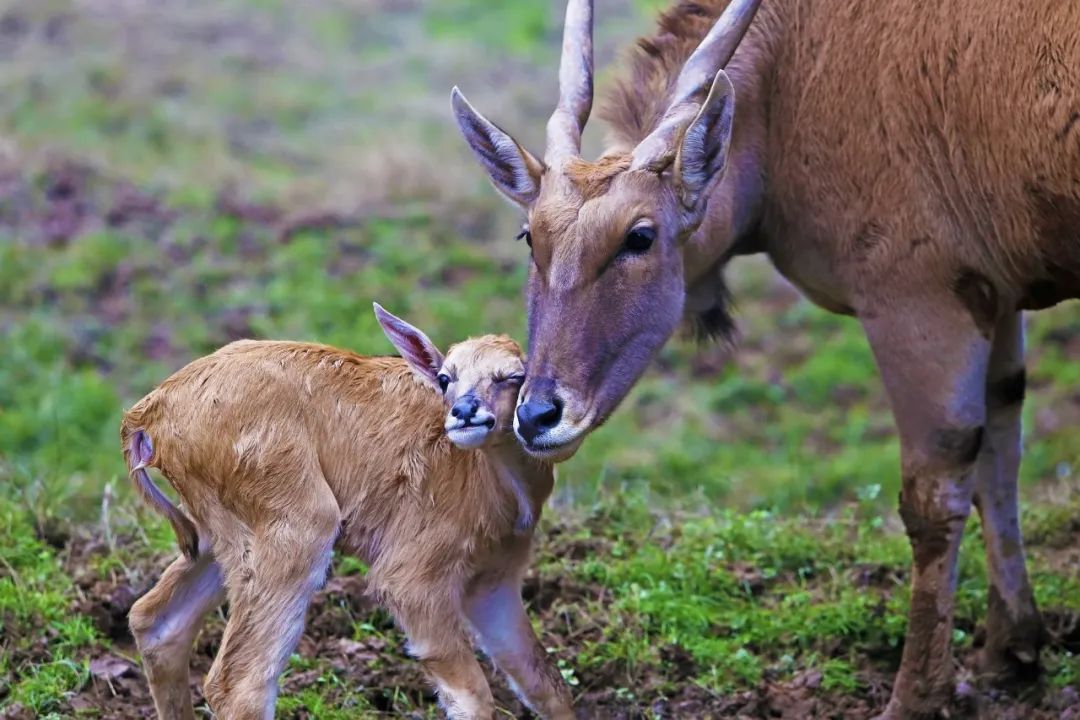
<point>1014,627</point>
<point>165,622</point>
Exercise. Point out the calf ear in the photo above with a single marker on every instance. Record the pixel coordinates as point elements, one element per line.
<point>704,148</point>
<point>512,169</point>
<point>415,347</point>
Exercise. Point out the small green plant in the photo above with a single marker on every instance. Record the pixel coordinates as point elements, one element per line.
<point>35,598</point>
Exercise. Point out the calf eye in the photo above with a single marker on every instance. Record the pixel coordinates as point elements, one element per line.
<point>444,381</point>
<point>639,239</point>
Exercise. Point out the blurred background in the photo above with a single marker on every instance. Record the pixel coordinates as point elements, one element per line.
<point>176,175</point>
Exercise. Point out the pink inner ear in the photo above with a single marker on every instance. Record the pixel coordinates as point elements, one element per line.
<point>419,355</point>
<point>416,353</point>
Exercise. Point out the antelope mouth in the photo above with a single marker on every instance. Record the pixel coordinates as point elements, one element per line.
<point>552,451</point>
<point>471,433</point>
<point>558,442</point>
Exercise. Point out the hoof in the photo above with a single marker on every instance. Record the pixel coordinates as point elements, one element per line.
<point>895,711</point>
<point>1008,667</point>
<point>1011,659</point>
<point>1008,646</point>
<point>892,712</point>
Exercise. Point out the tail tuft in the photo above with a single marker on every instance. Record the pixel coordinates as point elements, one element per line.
<point>140,452</point>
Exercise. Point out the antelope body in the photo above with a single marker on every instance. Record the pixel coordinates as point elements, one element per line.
<point>283,450</point>
<point>914,164</point>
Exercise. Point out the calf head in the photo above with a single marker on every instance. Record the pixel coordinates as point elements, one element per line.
<point>479,379</point>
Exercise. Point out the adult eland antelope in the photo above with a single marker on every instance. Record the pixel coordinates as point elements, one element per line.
<point>914,164</point>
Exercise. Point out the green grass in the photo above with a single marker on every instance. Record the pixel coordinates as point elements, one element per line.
<point>755,595</point>
<point>642,603</point>
<point>35,601</point>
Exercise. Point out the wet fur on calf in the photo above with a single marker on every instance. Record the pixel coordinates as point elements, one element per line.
<point>281,450</point>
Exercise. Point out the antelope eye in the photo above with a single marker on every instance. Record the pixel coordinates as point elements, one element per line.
<point>639,239</point>
<point>444,381</point>
<point>525,235</point>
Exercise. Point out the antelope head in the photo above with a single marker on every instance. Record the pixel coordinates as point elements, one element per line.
<point>478,378</point>
<point>606,285</point>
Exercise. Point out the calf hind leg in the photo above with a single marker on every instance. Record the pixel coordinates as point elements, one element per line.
<point>1014,629</point>
<point>269,593</point>
<point>165,622</point>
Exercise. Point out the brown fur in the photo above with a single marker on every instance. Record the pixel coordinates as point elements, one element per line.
<point>282,450</point>
<point>594,179</point>
<point>914,164</point>
<point>639,97</point>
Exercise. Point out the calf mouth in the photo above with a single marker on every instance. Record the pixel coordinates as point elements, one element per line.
<point>470,433</point>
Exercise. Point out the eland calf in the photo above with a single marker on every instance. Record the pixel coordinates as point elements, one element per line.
<point>282,451</point>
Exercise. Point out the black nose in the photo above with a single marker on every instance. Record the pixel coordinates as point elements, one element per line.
<point>465,408</point>
<point>537,416</point>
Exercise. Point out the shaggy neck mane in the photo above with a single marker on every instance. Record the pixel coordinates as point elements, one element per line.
<point>634,106</point>
<point>636,103</point>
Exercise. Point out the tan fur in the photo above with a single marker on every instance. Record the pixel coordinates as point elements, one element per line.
<point>915,164</point>
<point>639,97</point>
<point>283,450</point>
<point>591,179</point>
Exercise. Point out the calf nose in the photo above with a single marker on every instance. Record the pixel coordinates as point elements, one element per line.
<point>537,416</point>
<point>465,408</point>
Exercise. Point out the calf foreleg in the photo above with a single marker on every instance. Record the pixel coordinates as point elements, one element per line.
<point>496,612</point>
<point>438,640</point>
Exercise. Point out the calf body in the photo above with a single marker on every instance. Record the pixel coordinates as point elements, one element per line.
<point>282,451</point>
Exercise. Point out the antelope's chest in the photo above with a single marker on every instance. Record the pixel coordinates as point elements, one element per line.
<point>807,258</point>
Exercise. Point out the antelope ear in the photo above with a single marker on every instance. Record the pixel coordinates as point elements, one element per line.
<point>703,150</point>
<point>415,347</point>
<point>512,169</point>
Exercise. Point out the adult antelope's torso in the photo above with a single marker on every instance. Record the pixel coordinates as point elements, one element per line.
<point>915,163</point>
<point>939,140</point>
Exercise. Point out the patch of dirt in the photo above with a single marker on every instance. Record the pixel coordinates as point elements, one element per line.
<point>377,665</point>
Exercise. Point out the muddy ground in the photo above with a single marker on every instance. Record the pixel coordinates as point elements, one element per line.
<point>390,680</point>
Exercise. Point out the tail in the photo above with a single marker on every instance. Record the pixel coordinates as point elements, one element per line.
<point>138,451</point>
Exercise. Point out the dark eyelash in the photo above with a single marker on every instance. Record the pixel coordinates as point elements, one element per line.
<point>526,235</point>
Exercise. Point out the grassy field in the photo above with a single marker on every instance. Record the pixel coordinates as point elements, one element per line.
<point>174,176</point>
